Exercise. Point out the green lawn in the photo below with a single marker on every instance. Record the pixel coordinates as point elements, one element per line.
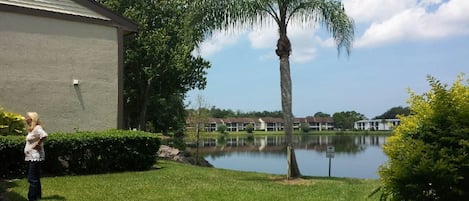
<point>175,181</point>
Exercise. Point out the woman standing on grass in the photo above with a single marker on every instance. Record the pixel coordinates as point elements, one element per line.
<point>34,154</point>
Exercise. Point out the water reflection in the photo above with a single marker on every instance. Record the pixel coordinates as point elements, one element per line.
<point>346,144</point>
<point>355,156</point>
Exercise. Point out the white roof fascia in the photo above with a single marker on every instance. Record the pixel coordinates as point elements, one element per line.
<point>59,6</point>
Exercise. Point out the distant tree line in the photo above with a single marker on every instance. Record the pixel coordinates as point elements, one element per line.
<point>215,112</point>
<point>394,112</point>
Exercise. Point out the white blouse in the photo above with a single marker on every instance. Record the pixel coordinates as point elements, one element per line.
<point>33,137</point>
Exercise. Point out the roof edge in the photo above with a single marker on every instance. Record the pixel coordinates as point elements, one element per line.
<point>116,20</point>
<point>119,20</point>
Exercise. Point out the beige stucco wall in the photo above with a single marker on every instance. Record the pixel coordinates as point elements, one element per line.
<point>39,58</point>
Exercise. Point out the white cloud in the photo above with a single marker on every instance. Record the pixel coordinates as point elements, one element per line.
<point>268,56</point>
<point>429,2</point>
<point>263,37</point>
<point>303,40</point>
<point>303,55</point>
<point>304,44</point>
<point>217,42</point>
<point>426,19</point>
<point>385,21</point>
<point>372,10</point>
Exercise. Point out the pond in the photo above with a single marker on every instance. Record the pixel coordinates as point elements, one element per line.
<point>353,156</point>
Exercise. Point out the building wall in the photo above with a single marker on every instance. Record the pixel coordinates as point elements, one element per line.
<point>39,58</point>
<point>379,124</point>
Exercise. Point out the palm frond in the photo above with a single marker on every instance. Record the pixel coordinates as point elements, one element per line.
<point>332,15</point>
<point>243,14</point>
<point>235,14</point>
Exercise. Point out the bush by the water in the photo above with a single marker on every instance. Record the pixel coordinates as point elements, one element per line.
<point>222,128</point>
<point>84,152</point>
<point>429,152</point>
<point>250,128</point>
<point>305,127</point>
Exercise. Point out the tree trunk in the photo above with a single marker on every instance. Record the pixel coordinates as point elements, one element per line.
<point>283,51</point>
<point>143,112</point>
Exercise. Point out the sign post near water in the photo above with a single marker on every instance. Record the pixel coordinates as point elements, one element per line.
<point>330,152</point>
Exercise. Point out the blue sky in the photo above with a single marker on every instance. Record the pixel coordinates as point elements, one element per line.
<point>397,44</point>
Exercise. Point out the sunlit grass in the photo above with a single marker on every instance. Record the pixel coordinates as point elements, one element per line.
<point>176,181</point>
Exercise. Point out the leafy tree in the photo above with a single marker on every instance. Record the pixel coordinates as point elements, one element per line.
<point>263,114</point>
<point>428,153</point>
<point>167,113</point>
<point>224,113</point>
<point>222,128</point>
<point>345,120</point>
<point>305,127</point>
<point>330,13</point>
<point>220,113</point>
<point>159,67</point>
<point>321,114</point>
<point>394,112</point>
<point>250,128</point>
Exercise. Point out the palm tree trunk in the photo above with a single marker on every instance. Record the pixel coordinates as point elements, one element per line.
<point>283,51</point>
<point>285,84</point>
<point>286,90</point>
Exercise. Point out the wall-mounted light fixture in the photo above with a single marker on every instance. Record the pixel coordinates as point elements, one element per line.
<point>76,82</point>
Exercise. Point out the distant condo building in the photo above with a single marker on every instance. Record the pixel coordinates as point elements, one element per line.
<point>263,123</point>
<point>377,124</point>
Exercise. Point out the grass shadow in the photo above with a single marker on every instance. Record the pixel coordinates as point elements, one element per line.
<point>306,180</point>
<point>53,197</point>
<point>282,179</point>
<point>6,194</point>
<point>340,179</point>
<point>6,184</point>
<point>14,196</point>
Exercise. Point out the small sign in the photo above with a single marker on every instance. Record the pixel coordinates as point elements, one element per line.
<point>330,152</point>
<point>330,148</point>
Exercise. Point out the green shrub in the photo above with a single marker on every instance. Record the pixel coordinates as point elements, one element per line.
<point>12,156</point>
<point>222,128</point>
<point>429,151</point>
<point>11,123</point>
<point>84,152</point>
<point>250,128</point>
<point>178,140</point>
<point>305,127</point>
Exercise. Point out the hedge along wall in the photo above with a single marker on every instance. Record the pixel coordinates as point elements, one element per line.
<point>83,153</point>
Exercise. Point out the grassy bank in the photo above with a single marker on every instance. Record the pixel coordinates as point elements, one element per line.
<point>176,181</point>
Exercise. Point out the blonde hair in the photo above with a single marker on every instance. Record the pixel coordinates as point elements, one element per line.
<point>34,120</point>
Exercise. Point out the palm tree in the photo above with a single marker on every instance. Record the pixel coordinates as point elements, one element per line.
<point>222,14</point>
